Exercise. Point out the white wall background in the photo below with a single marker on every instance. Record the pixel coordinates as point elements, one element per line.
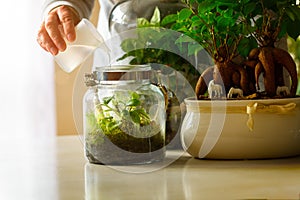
<point>26,77</point>
<point>27,110</point>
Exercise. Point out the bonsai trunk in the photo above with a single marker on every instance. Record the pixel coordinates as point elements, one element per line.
<point>228,75</point>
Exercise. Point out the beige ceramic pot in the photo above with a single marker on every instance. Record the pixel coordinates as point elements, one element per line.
<point>242,129</point>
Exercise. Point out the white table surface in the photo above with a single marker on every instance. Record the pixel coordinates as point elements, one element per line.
<point>57,169</point>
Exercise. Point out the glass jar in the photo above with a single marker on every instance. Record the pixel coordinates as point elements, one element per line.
<point>124,116</point>
<point>124,15</point>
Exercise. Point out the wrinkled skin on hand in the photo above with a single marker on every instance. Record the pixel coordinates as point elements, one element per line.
<point>58,25</point>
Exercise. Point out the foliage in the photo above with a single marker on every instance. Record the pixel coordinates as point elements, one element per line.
<point>114,112</point>
<point>230,29</point>
<point>227,28</point>
<point>215,26</point>
<point>154,44</point>
<point>120,124</point>
<point>271,20</point>
<point>294,48</point>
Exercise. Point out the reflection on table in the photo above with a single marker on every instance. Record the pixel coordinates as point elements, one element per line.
<point>57,169</point>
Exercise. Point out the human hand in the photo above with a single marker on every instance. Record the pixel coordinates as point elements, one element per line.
<point>58,26</point>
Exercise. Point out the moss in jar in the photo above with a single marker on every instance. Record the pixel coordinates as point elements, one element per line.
<point>122,132</point>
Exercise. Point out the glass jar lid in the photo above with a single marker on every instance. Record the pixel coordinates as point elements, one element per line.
<point>123,73</point>
<point>119,74</point>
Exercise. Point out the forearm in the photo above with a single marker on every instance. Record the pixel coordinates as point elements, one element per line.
<point>83,7</point>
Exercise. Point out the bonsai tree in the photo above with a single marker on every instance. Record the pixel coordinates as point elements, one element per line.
<point>240,36</point>
<point>247,29</point>
<point>273,20</point>
<point>215,26</point>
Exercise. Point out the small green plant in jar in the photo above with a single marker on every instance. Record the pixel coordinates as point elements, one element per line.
<point>124,118</point>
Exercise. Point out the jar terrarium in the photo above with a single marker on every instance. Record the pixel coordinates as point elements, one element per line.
<point>124,116</point>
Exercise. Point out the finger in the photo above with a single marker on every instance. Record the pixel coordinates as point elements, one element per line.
<point>52,27</point>
<point>68,20</point>
<point>45,41</point>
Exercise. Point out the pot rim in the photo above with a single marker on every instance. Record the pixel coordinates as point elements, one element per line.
<point>192,101</point>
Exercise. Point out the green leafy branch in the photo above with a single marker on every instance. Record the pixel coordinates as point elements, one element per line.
<point>271,20</point>
<point>113,112</point>
<point>152,44</point>
<point>215,26</point>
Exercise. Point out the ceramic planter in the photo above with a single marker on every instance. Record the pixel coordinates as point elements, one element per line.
<point>242,129</point>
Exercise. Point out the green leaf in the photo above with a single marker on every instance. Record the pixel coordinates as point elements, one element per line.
<point>205,7</point>
<point>223,22</point>
<point>184,38</point>
<point>283,29</point>
<point>194,48</point>
<point>290,14</point>
<point>155,19</point>
<point>143,115</point>
<point>135,95</point>
<point>184,14</point>
<point>130,44</point>
<point>125,113</point>
<point>133,102</point>
<point>135,116</point>
<point>249,8</point>
<point>293,29</point>
<point>172,18</point>
<point>296,11</point>
<point>246,45</point>
<point>106,100</point>
<point>142,22</point>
